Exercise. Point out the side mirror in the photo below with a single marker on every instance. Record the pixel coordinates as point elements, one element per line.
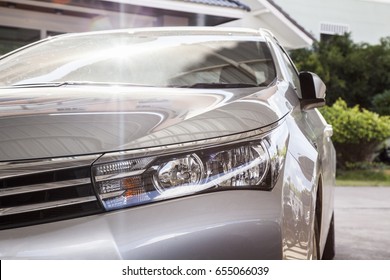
<point>313,91</point>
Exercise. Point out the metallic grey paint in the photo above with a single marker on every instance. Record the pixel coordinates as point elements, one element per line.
<point>70,121</point>
<point>57,122</point>
<point>225,225</point>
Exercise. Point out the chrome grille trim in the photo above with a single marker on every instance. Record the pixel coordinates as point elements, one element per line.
<point>43,187</point>
<point>46,190</point>
<point>25,168</point>
<point>43,206</point>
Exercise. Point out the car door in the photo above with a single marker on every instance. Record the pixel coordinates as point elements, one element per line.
<point>319,132</point>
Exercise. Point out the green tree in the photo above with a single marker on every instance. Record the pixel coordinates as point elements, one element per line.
<point>353,72</point>
<point>381,103</point>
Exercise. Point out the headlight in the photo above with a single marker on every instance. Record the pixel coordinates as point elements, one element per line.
<point>250,164</point>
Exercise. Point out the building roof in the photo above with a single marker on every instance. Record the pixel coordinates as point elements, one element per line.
<point>266,14</point>
<point>222,3</point>
<point>79,16</point>
<point>292,20</point>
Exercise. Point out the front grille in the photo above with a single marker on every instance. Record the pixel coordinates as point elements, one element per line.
<point>45,191</point>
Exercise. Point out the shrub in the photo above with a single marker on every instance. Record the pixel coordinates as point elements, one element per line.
<point>357,132</point>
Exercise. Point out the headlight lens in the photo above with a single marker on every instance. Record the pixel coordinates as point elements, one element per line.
<point>253,164</point>
<point>183,171</point>
<point>241,166</point>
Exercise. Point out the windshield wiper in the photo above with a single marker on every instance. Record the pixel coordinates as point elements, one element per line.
<point>76,83</point>
<point>41,84</point>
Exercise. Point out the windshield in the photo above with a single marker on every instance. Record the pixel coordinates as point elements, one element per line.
<point>125,58</point>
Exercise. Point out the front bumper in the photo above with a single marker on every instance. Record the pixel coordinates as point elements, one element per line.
<point>239,224</point>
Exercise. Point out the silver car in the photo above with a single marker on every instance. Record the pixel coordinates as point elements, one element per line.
<point>163,143</point>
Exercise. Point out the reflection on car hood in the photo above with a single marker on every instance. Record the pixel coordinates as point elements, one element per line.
<point>60,122</point>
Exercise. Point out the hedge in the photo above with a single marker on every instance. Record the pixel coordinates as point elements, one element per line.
<point>357,132</point>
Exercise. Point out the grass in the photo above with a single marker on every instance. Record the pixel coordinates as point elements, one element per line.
<point>368,177</point>
<point>362,183</point>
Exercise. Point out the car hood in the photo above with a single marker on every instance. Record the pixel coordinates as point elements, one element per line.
<point>46,122</point>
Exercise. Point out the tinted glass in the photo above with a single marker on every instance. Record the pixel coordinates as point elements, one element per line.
<point>145,60</point>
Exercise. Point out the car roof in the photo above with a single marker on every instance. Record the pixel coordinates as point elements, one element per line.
<point>179,31</point>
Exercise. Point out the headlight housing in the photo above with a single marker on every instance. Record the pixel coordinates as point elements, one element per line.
<point>125,179</point>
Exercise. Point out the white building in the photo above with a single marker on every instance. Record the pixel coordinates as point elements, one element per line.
<point>25,21</point>
<point>367,20</point>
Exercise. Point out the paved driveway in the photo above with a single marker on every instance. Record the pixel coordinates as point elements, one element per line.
<point>362,223</point>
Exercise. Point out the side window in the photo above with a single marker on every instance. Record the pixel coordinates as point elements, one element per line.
<point>292,71</point>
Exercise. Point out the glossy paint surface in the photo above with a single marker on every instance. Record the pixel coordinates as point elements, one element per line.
<point>198,227</point>
<point>58,122</point>
<point>104,122</point>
